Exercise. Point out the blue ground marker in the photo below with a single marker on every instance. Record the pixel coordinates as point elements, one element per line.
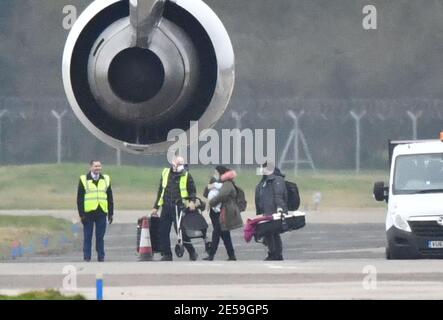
<point>20,250</point>
<point>99,286</point>
<point>45,242</point>
<point>14,253</point>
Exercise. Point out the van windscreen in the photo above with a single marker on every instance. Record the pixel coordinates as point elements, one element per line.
<point>418,173</point>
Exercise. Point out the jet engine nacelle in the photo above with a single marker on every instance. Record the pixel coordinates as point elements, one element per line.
<point>135,69</point>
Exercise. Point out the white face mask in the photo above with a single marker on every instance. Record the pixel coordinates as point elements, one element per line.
<point>180,168</point>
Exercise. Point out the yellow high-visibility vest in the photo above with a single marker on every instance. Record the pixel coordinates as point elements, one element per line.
<point>96,195</point>
<point>183,185</point>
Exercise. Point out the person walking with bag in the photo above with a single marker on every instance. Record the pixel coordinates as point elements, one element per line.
<point>271,197</point>
<point>224,212</point>
<point>176,185</point>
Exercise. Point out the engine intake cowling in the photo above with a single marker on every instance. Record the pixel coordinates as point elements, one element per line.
<point>135,69</point>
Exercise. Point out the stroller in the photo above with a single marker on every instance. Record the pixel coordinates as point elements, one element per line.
<point>193,224</point>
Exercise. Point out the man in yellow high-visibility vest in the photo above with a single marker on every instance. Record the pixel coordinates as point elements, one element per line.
<point>176,183</point>
<point>95,205</point>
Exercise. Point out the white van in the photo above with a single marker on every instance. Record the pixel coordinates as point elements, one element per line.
<point>414,221</point>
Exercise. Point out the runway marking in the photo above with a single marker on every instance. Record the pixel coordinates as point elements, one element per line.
<point>276,266</point>
<point>116,248</point>
<point>110,236</point>
<point>204,264</point>
<point>375,250</point>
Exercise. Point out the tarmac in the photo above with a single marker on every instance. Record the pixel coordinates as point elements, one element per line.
<point>338,255</point>
<point>258,280</point>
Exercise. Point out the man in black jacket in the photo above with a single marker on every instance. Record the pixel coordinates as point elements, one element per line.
<point>95,204</point>
<point>271,197</point>
<point>176,183</point>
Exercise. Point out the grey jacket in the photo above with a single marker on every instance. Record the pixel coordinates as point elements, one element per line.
<point>271,194</point>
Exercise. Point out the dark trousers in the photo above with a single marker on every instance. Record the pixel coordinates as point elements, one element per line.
<point>168,218</point>
<point>99,220</point>
<point>217,233</point>
<point>274,244</point>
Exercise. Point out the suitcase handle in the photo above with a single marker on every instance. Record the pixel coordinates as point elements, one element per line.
<point>284,224</point>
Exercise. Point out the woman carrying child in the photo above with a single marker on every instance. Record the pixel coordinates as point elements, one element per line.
<point>219,193</point>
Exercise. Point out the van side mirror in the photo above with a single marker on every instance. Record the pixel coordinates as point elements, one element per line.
<point>381,193</point>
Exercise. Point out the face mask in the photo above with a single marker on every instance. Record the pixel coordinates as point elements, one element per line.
<point>180,168</point>
<point>267,172</point>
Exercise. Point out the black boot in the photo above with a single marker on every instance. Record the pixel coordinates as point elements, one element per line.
<point>166,257</point>
<point>232,258</point>
<point>274,257</point>
<point>209,258</point>
<point>193,256</point>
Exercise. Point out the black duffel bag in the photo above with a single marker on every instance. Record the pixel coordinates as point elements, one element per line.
<point>284,223</point>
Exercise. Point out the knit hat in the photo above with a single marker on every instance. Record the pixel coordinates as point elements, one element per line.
<point>221,170</point>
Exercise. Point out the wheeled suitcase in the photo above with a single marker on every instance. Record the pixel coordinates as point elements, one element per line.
<point>280,223</point>
<point>154,233</point>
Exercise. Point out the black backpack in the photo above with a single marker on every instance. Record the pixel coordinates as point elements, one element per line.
<point>293,196</point>
<point>241,198</point>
